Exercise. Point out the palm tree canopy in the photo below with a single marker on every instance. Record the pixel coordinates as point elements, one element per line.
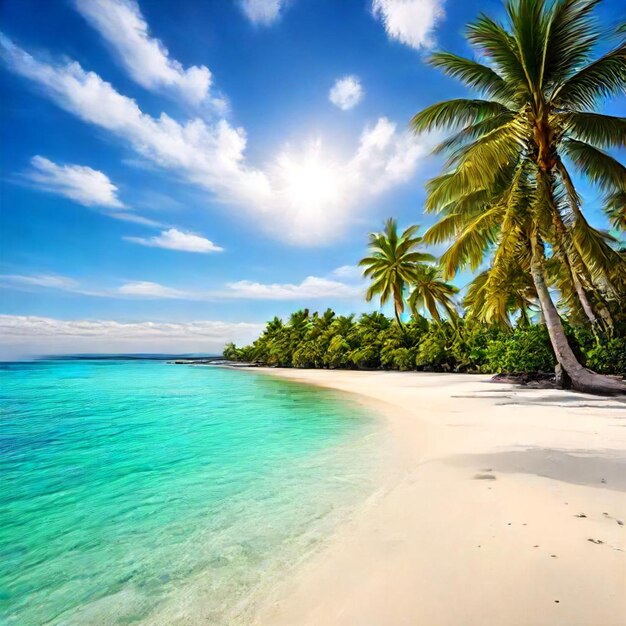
<point>515,295</point>
<point>392,263</point>
<point>539,83</point>
<point>432,294</point>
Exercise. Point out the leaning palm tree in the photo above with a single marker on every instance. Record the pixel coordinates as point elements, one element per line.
<point>507,190</point>
<point>392,264</point>
<point>431,293</point>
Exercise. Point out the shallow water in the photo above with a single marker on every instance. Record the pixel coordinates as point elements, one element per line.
<point>140,492</point>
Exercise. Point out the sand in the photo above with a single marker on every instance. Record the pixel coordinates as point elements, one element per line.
<point>504,506</point>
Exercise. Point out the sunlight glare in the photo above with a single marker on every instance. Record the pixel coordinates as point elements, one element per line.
<point>310,183</point>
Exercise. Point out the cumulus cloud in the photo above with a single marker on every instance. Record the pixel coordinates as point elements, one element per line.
<point>411,22</point>
<point>146,59</point>
<point>304,197</point>
<point>346,93</point>
<point>27,336</point>
<point>262,12</point>
<point>174,239</point>
<point>80,183</point>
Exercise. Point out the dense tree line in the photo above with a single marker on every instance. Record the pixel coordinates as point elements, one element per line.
<point>374,341</point>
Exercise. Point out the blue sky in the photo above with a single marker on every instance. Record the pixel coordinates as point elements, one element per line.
<point>177,172</point>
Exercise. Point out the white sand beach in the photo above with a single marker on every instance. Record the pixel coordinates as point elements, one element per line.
<point>505,506</point>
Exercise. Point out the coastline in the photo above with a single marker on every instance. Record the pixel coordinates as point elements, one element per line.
<point>504,506</point>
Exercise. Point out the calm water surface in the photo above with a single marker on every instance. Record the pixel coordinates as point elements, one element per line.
<point>140,492</point>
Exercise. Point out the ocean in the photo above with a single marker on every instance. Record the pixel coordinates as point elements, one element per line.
<point>138,492</point>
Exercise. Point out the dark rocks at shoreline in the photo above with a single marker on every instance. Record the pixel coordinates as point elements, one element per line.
<point>532,380</point>
<point>211,361</point>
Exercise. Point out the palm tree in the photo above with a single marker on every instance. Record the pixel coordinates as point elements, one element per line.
<point>392,264</point>
<point>507,188</point>
<point>432,294</point>
<point>517,296</point>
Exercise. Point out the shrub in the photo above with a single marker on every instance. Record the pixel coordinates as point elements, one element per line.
<point>523,350</point>
<point>608,356</point>
<point>435,352</point>
<point>402,359</point>
<point>470,344</point>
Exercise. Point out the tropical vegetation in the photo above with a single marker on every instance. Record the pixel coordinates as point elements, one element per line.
<point>507,193</point>
<point>374,341</point>
<point>393,264</point>
<point>549,288</point>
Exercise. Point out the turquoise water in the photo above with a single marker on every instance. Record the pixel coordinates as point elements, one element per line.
<point>141,492</point>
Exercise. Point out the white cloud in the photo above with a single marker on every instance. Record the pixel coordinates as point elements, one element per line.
<point>346,93</point>
<point>51,281</point>
<point>174,239</point>
<point>30,282</point>
<point>411,22</point>
<point>146,59</point>
<point>80,183</point>
<point>149,290</point>
<point>351,272</point>
<point>262,12</point>
<point>27,336</point>
<point>134,218</point>
<point>304,197</point>
<point>85,186</point>
<point>312,287</point>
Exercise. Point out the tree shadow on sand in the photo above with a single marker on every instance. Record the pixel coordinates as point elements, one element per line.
<point>606,468</point>
<point>522,396</point>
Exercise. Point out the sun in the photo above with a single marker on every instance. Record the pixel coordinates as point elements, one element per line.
<point>310,182</point>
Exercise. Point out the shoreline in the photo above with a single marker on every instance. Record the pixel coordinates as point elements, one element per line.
<point>504,505</point>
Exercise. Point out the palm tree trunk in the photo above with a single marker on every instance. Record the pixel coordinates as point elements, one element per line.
<point>566,256</point>
<point>584,301</point>
<point>582,378</point>
<point>397,314</point>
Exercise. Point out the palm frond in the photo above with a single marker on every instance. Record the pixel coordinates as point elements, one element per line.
<point>499,148</point>
<point>571,37</point>
<point>529,26</point>
<point>615,209</point>
<point>472,242</point>
<point>472,74</point>
<point>495,43</point>
<point>603,78</point>
<point>454,113</point>
<point>473,131</point>
<point>601,168</point>
<point>603,131</point>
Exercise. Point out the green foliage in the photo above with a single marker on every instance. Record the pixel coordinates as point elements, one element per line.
<point>471,343</point>
<point>526,349</point>
<point>374,341</point>
<point>435,349</point>
<point>506,194</point>
<point>608,357</point>
<point>393,263</point>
